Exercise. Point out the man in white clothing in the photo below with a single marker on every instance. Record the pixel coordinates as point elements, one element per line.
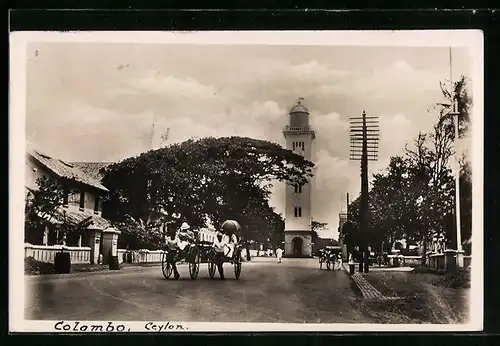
<point>220,247</point>
<point>279,254</point>
<point>179,245</point>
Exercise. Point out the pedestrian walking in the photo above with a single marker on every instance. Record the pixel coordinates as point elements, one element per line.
<point>351,263</point>
<point>339,261</point>
<point>279,254</point>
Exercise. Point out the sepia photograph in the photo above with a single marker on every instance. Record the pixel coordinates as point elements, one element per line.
<point>246,181</point>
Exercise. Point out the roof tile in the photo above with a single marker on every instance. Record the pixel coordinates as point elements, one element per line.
<point>66,170</point>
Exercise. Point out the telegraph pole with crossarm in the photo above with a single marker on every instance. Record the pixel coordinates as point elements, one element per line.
<point>364,138</point>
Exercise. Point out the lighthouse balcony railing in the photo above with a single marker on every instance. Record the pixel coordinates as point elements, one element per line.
<point>298,128</point>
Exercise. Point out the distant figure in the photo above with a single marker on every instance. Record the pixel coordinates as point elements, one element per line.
<point>279,254</point>
<point>386,259</point>
<point>339,261</point>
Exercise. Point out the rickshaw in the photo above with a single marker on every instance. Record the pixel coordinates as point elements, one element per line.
<point>191,255</point>
<point>329,256</point>
<point>201,251</point>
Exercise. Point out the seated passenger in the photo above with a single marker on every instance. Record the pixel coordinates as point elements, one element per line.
<point>184,236</point>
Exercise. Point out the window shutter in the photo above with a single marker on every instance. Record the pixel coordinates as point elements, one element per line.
<point>96,205</point>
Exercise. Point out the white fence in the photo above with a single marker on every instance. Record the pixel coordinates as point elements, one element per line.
<point>139,256</point>
<point>46,253</point>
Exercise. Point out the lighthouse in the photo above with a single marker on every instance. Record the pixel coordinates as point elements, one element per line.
<point>299,138</point>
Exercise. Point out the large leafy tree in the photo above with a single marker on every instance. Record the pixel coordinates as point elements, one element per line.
<point>315,227</point>
<point>198,180</point>
<point>43,202</point>
<point>43,208</point>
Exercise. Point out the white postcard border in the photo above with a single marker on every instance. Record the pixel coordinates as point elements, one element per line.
<point>472,39</point>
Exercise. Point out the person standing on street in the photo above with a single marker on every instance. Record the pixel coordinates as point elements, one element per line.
<point>279,254</point>
<point>220,247</point>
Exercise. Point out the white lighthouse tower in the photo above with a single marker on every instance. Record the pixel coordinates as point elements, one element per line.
<point>299,138</point>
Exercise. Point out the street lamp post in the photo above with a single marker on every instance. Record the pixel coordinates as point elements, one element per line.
<point>454,113</point>
<point>460,254</point>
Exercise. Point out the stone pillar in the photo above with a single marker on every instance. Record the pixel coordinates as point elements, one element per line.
<point>46,236</point>
<point>80,240</point>
<point>450,261</point>
<point>109,243</point>
<point>306,245</point>
<point>288,245</point>
<point>460,259</point>
<point>95,245</point>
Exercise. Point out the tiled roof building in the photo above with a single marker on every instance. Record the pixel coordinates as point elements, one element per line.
<point>93,169</point>
<point>83,197</point>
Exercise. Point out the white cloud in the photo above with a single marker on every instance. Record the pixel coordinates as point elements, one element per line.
<point>156,83</point>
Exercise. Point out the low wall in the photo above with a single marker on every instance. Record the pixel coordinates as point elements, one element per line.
<point>139,256</point>
<point>154,256</point>
<point>45,253</point>
<point>404,261</point>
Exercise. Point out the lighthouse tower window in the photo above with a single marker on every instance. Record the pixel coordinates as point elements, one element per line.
<point>298,212</point>
<point>298,145</point>
<point>298,188</point>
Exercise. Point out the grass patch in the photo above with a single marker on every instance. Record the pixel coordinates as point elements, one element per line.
<point>411,310</point>
<point>457,279</point>
<point>425,297</point>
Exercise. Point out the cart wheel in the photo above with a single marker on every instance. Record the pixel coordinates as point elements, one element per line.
<point>166,267</point>
<point>237,268</point>
<point>194,267</point>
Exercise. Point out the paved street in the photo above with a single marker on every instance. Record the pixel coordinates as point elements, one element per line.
<point>294,291</point>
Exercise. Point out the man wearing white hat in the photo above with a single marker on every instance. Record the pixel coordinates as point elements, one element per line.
<point>184,236</point>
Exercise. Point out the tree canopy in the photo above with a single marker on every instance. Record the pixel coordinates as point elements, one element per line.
<point>206,179</point>
<point>43,205</point>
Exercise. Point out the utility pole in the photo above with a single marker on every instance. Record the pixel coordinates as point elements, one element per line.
<point>364,137</point>
<point>455,113</point>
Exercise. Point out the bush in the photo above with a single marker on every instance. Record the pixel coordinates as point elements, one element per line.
<point>34,267</point>
<point>456,279</point>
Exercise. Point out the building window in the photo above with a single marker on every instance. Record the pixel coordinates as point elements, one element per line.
<point>74,198</point>
<point>297,145</point>
<point>65,197</point>
<point>96,205</point>
<point>298,212</point>
<point>82,199</point>
<point>298,188</point>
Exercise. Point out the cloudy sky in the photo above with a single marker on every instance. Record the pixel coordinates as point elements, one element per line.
<point>97,101</point>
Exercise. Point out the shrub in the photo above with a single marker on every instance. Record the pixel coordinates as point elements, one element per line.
<point>34,267</point>
<point>420,269</point>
